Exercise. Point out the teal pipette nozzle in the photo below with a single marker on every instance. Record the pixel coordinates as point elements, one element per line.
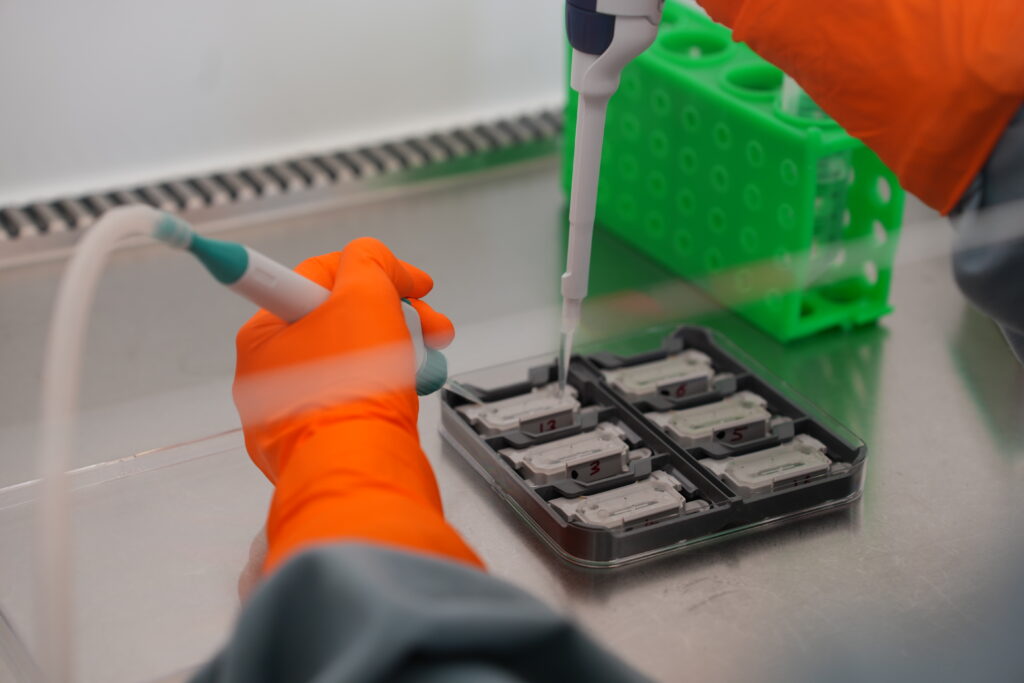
<point>226,261</point>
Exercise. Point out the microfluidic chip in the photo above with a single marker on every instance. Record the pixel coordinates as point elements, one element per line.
<point>651,499</point>
<point>542,410</point>
<point>685,374</point>
<point>732,421</point>
<point>796,462</point>
<point>588,457</point>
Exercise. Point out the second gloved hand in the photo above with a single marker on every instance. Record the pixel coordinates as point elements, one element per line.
<point>929,85</point>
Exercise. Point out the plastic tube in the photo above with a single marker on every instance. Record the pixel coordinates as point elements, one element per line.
<point>61,378</point>
<point>833,185</point>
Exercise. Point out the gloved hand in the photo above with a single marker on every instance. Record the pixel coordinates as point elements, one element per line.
<point>930,86</point>
<point>328,407</point>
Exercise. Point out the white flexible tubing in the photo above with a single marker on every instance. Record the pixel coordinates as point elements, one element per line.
<point>61,378</point>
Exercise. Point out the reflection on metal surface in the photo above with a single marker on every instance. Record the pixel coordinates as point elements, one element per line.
<point>994,381</point>
<point>140,522</point>
<point>15,658</point>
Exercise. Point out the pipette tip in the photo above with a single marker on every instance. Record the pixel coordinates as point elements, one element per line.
<point>564,358</point>
<point>462,390</point>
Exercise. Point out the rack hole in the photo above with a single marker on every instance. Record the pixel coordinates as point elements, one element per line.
<point>755,79</point>
<point>717,220</point>
<point>720,178</point>
<point>883,191</point>
<point>723,136</point>
<point>790,172</point>
<point>871,273</point>
<point>693,46</point>
<point>661,103</point>
<point>687,202</point>
<point>691,118</point>
<point>683,241</point>
<point>657,184</point>
<point>755,154</point>
<point>656,225</point>
<point>713,260</point>
<point>881,236</point>
<point>659,144</point>
<point>630,127</point>
<point>688,160</point>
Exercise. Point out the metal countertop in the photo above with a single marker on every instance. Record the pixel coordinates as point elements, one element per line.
<point>933,391</point>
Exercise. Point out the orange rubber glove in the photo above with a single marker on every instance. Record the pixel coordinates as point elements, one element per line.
<point>929,85</point>
<point>329,407</point>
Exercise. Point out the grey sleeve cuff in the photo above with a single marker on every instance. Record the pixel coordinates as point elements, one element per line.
<point>350,612</point>
<point>988,258</point>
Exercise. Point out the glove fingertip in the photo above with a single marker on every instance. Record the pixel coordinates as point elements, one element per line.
<point>322,269</point>
<point>420,281</point>
<point>438,329</point>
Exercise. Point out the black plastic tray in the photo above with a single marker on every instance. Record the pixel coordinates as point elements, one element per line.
<point>729,512</point>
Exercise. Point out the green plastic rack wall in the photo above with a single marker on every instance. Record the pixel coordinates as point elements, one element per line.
<point>704,172</point>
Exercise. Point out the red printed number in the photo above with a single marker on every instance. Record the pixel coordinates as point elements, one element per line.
<point>595,467</point>
<point>547,426</point>
<point>737,434</point>
<point>681,391</point>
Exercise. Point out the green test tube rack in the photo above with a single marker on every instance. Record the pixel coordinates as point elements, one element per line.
<point>777,212</point>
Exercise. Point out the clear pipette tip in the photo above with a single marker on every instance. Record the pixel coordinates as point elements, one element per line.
<point>564,357</point>
<point>571,308</point>
<point>460,389</point>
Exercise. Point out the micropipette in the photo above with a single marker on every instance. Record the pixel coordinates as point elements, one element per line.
<point>605,35</point>
<point>282,291</point>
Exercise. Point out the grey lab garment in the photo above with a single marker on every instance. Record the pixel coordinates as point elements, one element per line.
<point>354,612</point>
<point>988,261</point>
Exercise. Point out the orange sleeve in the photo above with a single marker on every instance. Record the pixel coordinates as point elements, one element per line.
<point>360,480</point>
<point>930,85</point>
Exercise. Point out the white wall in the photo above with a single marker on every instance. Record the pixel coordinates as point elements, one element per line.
<point>99,93</point>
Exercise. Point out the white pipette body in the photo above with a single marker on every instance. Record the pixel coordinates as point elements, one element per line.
<point>605,35</point>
